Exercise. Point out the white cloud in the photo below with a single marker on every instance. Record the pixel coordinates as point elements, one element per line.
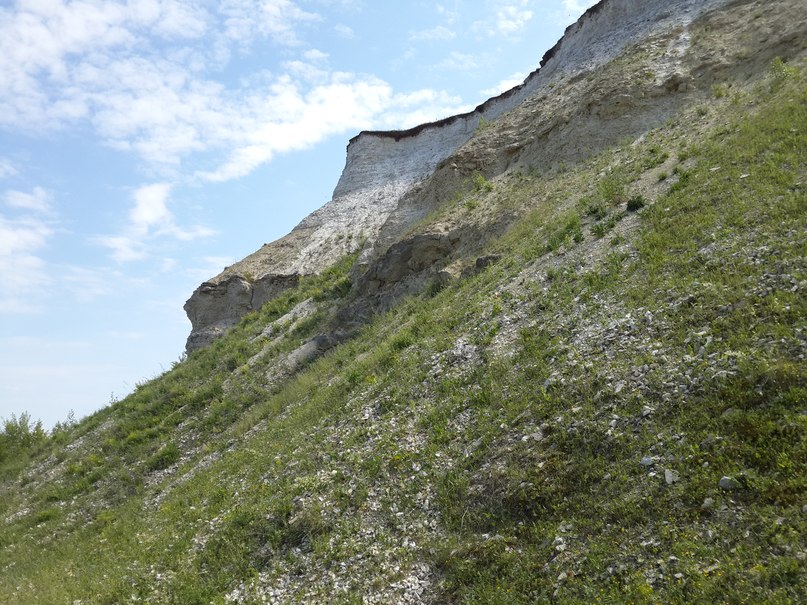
<point>420,107</point>
<point>88,284</point>
<point>344,31</point>
<point>22,271</point>
<point>37,201</point>
<point>40,42</point>
<point>22,236</point>
<point>459,61</point>
<point>508,17</point>
<point>275,19</point>
<point>505,85</point>
<point>7,169</point>
<point>305,70</point>
<point>62,62</point>
<point>125,248</point>
<point>578,7</point>
<point>296,117</point>
<point>439,32</point>
<point>315,56</point>
<point>150,209</point>
<point>290,118</point>
<point>513,17</point>
<point>451,14</point>
<point>149,218</point>
<point>139,74</point>
<point>28,277</point>
<point>174,18</point>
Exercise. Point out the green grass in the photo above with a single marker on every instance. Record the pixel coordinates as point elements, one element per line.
<point>517,476</point>
<point>746,424</point>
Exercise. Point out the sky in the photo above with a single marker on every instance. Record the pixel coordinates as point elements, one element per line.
<point>147,144</point>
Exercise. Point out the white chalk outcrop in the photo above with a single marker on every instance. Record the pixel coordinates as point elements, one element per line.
<point>383,167</point>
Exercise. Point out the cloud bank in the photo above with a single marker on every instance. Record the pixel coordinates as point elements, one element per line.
<point>150,77</point>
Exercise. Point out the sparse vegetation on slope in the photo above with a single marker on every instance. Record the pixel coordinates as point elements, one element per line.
<point>590,419</point>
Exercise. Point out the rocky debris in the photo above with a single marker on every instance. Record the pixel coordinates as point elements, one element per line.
<point>671,476</point>
<point>384,557</point>
<point>404,266</point>
<point>287,322</point>
<point>411,256</point>
<point>310,350</point>
<point>483,262</point>
<point>464,353</point>
<point>463,357</point>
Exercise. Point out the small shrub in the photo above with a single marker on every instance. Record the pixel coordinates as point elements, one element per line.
<point>598,230</point>
<point>781,71</point>
<point>20,435</point>
<point>612,189</point>
<point>403,340</point>
<point>569,228</point>
<point>683,179</point>
<point>482,125</point>
<point>601,228</point>
<point>434,287</point>
<point>635,203</point>
<point>304,528</point>
<point>480,182</point>
<point>47,514</point>
<point>655,156</point>
<point>338,289</point>
<point>720,90</point>
<point>597,210</point>
<point>165,457</point>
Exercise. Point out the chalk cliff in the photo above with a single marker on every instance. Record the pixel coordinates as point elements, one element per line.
<point>376,199</point>
<point>589,384</point>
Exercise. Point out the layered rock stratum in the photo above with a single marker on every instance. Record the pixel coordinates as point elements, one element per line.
<point>376,201</point>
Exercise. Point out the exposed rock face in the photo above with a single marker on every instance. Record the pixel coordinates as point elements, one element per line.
<point>407,257</point>
<point>377,197</point>
<point>215,307</point>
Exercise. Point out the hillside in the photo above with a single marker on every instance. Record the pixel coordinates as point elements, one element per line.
<point>379,196</point>
<point>569,367</point>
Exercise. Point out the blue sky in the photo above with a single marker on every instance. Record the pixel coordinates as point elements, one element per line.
<point>144,145</point>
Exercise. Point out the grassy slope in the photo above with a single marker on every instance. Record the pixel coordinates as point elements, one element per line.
<point>504,470</point>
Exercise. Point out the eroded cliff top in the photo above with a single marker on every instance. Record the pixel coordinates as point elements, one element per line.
<point>372,202</point>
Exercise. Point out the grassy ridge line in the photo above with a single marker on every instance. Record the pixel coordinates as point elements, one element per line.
<point>257,499</point>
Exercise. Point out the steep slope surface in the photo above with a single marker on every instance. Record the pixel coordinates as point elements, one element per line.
<point>371,205</point>
<point>599,398</point>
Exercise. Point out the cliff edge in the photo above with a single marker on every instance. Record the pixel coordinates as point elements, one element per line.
<point>372,204</point>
